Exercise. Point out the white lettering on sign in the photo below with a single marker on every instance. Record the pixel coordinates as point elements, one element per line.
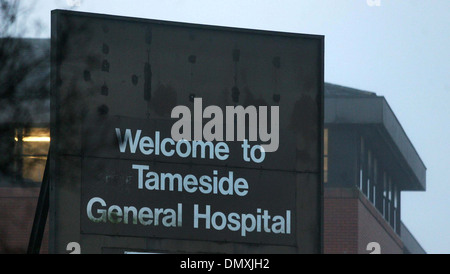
<point>224,183</point>
<point>168,147</point>
<point>98,212</point>
<point>205,184</point>
<point>245,223</point>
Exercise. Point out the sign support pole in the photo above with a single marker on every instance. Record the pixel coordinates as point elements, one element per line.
<point>40,217</point>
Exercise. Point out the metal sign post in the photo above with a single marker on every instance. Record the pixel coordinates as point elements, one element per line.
<point>40,217</point>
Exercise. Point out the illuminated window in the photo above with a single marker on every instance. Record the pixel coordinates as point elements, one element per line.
<point>31,149</point>
<point>325,155</point>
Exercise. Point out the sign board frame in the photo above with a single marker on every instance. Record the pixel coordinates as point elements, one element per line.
<point>71,182</point>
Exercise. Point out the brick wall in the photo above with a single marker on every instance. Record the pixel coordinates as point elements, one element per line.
<point>373,228</point>
<point>17,209</point>
<point>340,222</point>
<point>351,222</point>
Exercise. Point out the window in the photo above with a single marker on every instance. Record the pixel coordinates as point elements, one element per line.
<point>378,184</point>
<point>361,164</point>
<point>390,202</point>
<point>389,199</point>
<point>394,218</point>
<point>374,182</point>
<point>385,185</point>
<point>325,155</point>
<point>31,149</point>
<point>369,174</point>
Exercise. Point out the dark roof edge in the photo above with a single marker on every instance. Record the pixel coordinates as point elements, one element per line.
<point>334,90</point>
<point>404,132</point>
<point>404,145</point>
<point>409,241</point>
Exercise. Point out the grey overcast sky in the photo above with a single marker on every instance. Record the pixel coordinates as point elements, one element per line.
<point>398,49</point>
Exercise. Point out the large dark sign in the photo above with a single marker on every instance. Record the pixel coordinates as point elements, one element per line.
<point>177,137</point>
